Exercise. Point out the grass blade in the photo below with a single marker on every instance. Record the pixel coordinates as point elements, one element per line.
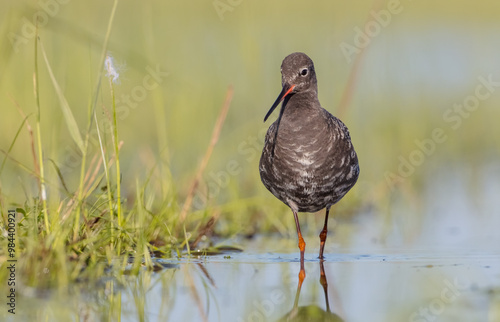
<point>215,137</point>
<point>12,144</point>
<point>43,192</point>
<point>59,174</point>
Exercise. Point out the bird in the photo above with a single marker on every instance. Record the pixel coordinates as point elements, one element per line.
<point>308,160</point>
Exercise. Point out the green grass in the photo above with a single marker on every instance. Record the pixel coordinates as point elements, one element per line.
<point>88,230</point>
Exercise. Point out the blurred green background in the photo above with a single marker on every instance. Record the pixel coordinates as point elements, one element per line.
<point>420,60</point>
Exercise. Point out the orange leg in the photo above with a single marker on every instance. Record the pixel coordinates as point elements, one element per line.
<point>322,235</point>
<point>324,283</point>
<point>302,247</point>
<point>302,243</point>
<point>302,273</point>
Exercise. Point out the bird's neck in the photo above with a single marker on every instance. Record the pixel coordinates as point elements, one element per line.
<point>303,102</point>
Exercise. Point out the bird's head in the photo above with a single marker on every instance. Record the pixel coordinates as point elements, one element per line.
<point>297,75</point>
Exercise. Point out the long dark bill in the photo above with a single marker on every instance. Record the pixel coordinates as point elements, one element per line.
<point>284,92</point>
<point>282,96</point>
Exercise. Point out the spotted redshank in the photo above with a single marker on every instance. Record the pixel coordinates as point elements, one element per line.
<point>308,161</point>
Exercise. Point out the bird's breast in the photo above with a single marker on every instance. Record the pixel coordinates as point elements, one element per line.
<point>311,166</point>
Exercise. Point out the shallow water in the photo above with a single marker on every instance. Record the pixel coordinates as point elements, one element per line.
<point>455,286</point>
<point>441,266</point>
<point>257,285</point>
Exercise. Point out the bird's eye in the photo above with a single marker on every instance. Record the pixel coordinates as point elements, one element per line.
<point>303,72</point>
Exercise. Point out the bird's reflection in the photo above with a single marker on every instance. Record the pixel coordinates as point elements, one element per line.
<point>311,312</point>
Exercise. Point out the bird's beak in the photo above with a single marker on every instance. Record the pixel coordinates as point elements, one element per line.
<point>287,89</point>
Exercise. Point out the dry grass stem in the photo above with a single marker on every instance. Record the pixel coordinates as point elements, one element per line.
<point>208,153</point>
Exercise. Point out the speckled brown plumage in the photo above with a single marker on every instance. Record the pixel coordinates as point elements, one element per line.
<point>308,161</point>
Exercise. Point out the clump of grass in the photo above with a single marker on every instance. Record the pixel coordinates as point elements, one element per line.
<point>104,240</point>
<point>79,233</point>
